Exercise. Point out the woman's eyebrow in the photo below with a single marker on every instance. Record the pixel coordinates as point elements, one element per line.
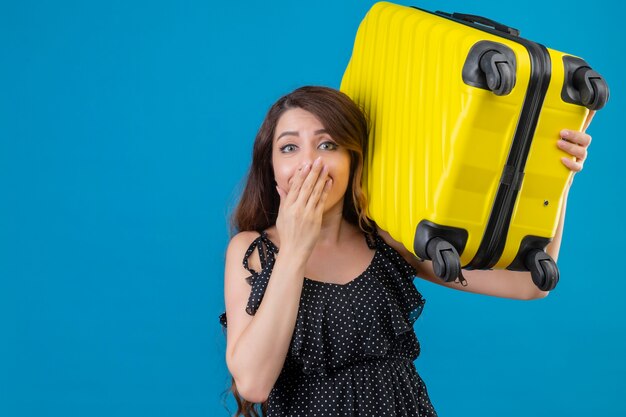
<point>295,133</point>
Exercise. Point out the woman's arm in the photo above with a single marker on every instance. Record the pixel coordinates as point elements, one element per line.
<point>501,282</point>
<point>497,283</point>
<point>256,346</point>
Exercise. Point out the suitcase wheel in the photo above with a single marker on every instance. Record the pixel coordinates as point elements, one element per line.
<point>582,85</point>
<point>499,72</point>
<point>594,92</point>
<point>543,269</point>
<point>491,66</point>
<point>445,258</point>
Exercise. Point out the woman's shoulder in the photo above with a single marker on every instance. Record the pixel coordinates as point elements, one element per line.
<point>244,238</point>
<point>390,241</point>
<point>239,245</point>
<point>241,249</point>
<point>240,242</point>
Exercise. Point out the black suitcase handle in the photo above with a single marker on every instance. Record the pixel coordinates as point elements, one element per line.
<point>471,18</point>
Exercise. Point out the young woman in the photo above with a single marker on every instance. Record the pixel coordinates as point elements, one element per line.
<point>320,301</point>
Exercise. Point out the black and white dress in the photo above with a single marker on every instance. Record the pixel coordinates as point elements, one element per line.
<point>353,346</point>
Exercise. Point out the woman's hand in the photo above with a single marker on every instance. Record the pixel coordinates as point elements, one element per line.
<point>576,144</point>
<point>301,208</point>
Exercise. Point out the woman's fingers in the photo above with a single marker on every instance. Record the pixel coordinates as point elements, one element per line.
<point>310,181</point>
<point>318,188</point>
<point>576,144</point>
<point>307,186</point>
<point>328,184</point>
<point>578,138</point>
<point>297,181</point>
<point>573,165</point>
<point>580,152</point>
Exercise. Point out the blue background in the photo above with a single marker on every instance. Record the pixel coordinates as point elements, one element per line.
<point>125,132</point>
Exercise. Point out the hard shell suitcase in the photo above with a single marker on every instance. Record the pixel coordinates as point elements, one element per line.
<point>462,163</point>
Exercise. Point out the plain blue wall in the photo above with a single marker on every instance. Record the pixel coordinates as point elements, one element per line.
<point>125,132</point>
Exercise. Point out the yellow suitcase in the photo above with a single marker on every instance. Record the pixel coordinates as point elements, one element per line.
<point>462,163</point>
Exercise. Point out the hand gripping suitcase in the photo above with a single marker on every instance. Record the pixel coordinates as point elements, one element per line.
<point>462,162</point>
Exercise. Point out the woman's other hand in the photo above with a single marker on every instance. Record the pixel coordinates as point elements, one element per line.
<point>576,144</point>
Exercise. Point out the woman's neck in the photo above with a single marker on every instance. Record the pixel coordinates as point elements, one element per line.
<point>335,228</point>
<point>332,229</point>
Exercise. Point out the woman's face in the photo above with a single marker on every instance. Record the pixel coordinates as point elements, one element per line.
<point>300,138</point>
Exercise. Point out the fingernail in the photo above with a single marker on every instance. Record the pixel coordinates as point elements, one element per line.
<point>564,133</point>
<point>317,161</point>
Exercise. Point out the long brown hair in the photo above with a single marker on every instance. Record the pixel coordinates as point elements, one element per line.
<point>258,207</point>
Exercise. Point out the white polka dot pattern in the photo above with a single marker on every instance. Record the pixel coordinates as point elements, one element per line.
<point>353,345</point>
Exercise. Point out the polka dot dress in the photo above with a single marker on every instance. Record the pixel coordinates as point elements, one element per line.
<point>353,346</point>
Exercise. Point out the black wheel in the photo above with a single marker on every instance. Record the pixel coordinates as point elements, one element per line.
<point>594,92</point>
<point>543,269</point>
<point>499,72</point>
<point>507,78</point>
<point>445,258</point>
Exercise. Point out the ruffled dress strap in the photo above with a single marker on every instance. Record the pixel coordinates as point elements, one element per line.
<point>404,274</point>
<point>258,279</point>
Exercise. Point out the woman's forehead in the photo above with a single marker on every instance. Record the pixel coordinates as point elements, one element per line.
<point>298,119</point>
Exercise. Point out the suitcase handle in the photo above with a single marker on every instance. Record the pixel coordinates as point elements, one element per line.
<point>471,18</point>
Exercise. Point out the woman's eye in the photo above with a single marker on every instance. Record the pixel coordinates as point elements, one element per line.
<point>330,146</point>
<point>287,148</point>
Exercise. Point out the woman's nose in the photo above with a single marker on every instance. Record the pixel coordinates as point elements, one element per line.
<point>307,156</point>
